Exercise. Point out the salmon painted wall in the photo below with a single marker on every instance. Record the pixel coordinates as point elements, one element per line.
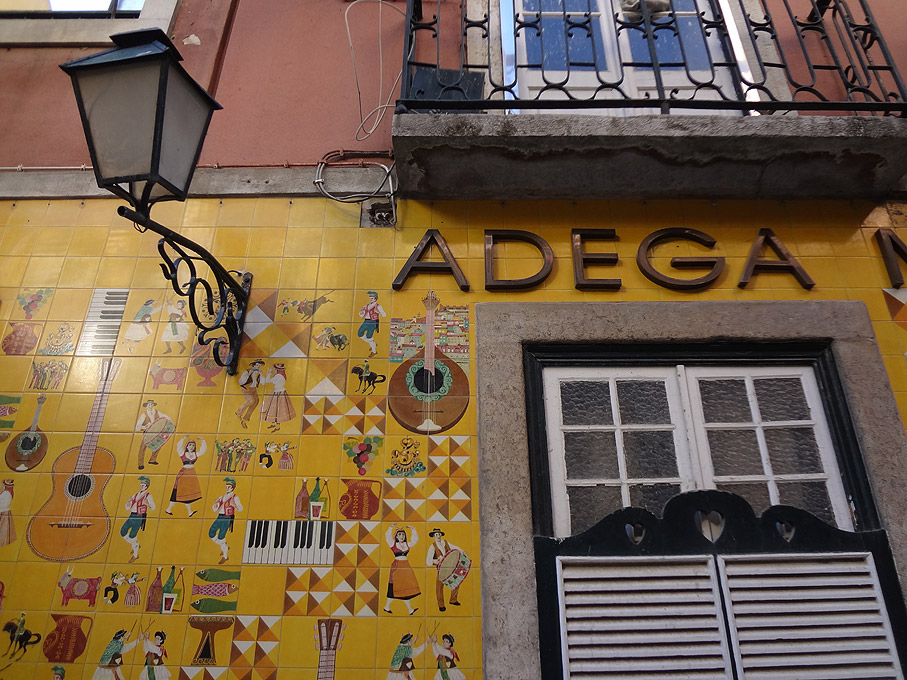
<point>285,78</point>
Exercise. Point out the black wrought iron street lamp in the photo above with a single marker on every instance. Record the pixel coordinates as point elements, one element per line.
<point>145,120</point>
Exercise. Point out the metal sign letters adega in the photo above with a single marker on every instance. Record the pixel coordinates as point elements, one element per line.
<point>784,262</point>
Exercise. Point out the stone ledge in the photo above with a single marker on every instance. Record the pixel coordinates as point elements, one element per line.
<point>219,183</point>
<point>478,156</point>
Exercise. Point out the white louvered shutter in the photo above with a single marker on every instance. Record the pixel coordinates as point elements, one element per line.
<point>791,617</point>
<point>809,617</point>
<point>633,618</point>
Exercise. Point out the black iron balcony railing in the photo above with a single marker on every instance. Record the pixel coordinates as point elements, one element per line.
<point>737,57</point>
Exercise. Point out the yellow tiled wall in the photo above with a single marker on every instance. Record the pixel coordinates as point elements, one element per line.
<point>61,251</point>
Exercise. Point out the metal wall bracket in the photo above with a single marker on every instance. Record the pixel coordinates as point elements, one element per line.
<point>222,302</point>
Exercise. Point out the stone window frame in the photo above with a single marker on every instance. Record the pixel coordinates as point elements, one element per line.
<point>64,31</point>
<point>510,617</point>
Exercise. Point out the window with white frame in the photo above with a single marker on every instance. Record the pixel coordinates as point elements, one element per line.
<point>599,49</point>
<point>106,7</point>
<point>79,22</point>
<point>621,437</point>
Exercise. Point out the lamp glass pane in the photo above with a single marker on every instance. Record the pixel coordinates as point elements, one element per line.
<point>121,104</point>
<point>185,118</point>
<point>157,191</point>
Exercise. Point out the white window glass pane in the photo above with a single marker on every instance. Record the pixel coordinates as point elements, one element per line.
<point>597,456</point>
<point>788,453</point>
<point>811,496</point>
<point>650,453</point>
<point>793,450</point>
<point>588,504</point>
<point>642,402</point>
<point>735,452</point>
<point>79,5</point>
<point>781,399</point>
<point>725,401</point>
<point>591,455</point>
<point>586,403</point>
<point>653,497</point>
<point>754,493</point>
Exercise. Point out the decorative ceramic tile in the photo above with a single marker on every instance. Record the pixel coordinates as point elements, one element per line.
<point>327,373</point>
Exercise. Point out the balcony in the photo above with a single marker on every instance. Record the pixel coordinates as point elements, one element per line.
<point>648,99</point>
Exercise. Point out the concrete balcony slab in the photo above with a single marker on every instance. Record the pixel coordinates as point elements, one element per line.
<point>576,156</point>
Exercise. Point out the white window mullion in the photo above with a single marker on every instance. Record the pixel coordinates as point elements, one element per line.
<point>557,470</point>
<point>619,443</point>
<point>773,494</point>
<point>839,501</point>
<point>701,472</point>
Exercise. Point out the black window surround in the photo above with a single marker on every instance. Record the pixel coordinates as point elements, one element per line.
<point>673,535</point>
<point>816,355</point>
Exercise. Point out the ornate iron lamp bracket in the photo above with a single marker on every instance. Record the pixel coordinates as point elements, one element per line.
<point>223,300</point>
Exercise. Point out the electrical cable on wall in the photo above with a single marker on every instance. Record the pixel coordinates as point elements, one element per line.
<point>379,111</point>
<point>359,197</point>
<point>384,214</point>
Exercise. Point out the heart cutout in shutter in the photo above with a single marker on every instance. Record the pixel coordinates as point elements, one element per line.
<point>711,524</point>
<point>786,530</point>
<point>635,532</point>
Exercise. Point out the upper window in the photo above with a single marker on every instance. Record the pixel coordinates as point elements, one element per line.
<point>104,8</point>
<point>622,437</point>
<point>608,49</point>
<point>79,22</point>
